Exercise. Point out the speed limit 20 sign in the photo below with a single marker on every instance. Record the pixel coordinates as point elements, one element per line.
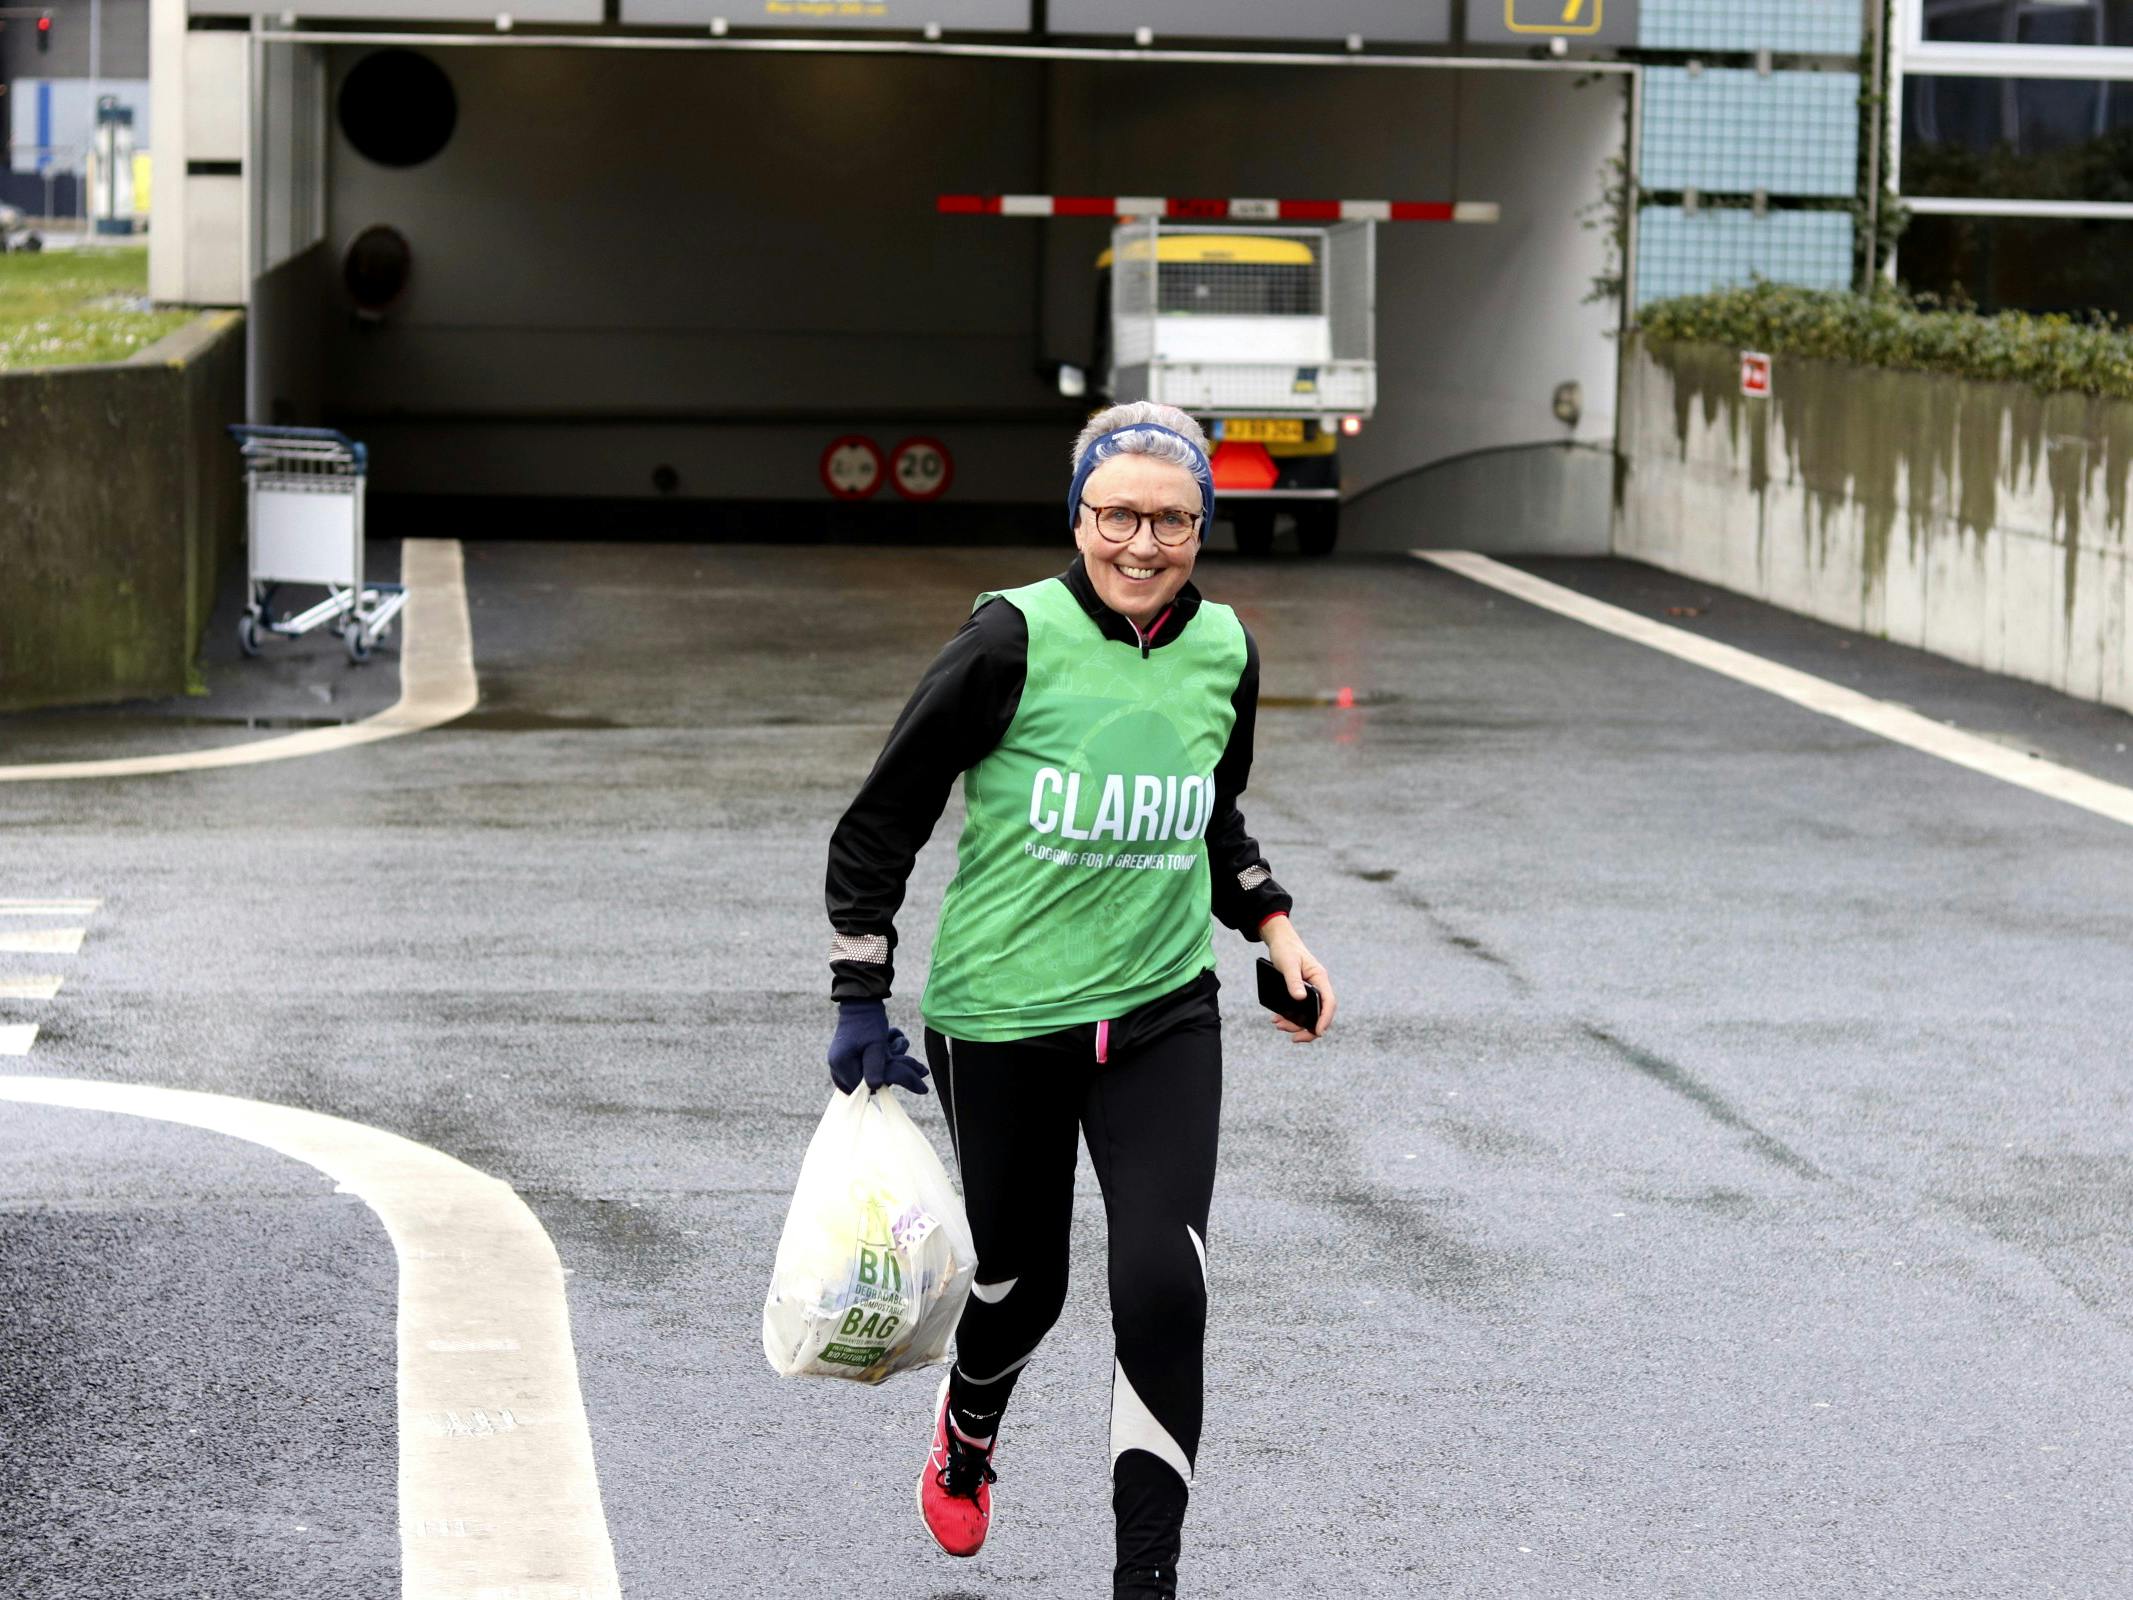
<point>921,469</point>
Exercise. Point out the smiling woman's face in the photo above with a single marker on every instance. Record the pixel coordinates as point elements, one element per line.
<point>1138,577</point>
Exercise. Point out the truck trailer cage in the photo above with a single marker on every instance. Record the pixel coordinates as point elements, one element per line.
<point>1251,322</point>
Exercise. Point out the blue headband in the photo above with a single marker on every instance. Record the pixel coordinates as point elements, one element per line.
<point>1097,455</point>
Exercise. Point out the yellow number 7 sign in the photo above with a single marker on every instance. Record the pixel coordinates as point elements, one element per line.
<point>1553,16</point>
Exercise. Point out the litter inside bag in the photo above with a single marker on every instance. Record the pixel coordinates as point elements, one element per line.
<point>876,1258</point>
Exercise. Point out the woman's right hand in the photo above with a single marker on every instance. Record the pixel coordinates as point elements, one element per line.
<point>866,1049</point>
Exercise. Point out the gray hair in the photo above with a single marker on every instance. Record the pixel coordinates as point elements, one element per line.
<point>1135,413</point>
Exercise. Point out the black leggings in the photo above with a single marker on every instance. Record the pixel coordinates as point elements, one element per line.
<point>1150,1111</point>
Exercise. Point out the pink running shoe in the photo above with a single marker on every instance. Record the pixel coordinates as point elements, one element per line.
<point>955,1490</point>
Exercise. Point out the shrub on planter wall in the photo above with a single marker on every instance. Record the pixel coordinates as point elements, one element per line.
<point>1889,328</point>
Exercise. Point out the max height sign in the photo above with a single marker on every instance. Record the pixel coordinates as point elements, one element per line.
<point>1582,23</point>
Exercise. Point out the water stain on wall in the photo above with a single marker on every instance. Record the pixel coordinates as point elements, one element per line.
<point>1920,448</point>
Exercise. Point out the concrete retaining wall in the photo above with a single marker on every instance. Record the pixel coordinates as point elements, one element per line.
<point>1524,500</point>
<point>120,500</point>
<point>1980,521</point>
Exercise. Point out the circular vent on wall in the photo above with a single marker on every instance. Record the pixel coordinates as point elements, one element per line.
<point>375,269</point>
<point>398,108</point>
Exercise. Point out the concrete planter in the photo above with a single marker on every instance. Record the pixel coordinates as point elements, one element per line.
<point>119,501</point>
<point>1981,521</point>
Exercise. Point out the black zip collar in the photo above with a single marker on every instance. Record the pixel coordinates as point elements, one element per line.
<point>1119,628</point>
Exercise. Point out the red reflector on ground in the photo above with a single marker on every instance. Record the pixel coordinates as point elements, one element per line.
<point>1243,466</point>
<point>1344,697</point>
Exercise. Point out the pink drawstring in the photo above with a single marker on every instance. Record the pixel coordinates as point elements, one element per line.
<point>1103,1042</point>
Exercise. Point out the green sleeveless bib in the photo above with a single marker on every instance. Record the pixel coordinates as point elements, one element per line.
<point>1081,887</point>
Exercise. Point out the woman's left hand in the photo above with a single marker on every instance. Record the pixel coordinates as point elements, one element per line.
<point>1286,950</point>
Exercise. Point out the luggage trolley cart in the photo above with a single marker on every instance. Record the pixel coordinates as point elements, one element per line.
<point>304,499</point>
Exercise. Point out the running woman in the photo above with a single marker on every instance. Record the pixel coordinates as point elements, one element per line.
<point>1102,724</point>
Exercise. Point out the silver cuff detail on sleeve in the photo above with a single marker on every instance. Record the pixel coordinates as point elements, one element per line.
<point>1252,877</point>
<point>871,948</point>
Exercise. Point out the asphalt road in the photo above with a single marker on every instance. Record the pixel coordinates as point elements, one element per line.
<point>1716,1184</point>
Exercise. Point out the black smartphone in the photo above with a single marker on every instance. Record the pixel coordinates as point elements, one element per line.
<point>1274,995</point>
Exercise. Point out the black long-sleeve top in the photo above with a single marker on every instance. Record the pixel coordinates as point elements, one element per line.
<point>959,712</point>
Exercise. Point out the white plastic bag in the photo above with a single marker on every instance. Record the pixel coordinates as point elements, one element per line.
<point>876,1259</point>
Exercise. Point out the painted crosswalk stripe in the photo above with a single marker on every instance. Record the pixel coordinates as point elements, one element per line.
<point>16,1038</point>
<point>41,941</point>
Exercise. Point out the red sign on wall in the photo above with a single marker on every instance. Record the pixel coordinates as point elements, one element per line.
<point>851,467</point>
<point>1755,375</point>
<point>921,469</point>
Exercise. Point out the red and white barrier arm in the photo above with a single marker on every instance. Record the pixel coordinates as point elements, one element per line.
<point>1217,210</point>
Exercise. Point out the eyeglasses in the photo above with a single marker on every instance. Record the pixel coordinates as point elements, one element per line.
<point>1121,523</point>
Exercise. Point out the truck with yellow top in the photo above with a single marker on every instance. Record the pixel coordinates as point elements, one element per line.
<point>1267,336</point>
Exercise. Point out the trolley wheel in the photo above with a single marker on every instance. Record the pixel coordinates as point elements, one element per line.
<point>1255,529</point>
<point>358,645</point>
<point>248,633</point>
<point>1318,527</point>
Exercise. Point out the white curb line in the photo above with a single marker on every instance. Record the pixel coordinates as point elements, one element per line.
<point>437,683</point>
<point>1898,724</point>
<point>499,1499</point>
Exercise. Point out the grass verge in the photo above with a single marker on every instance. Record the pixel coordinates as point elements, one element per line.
<point>59,307</point>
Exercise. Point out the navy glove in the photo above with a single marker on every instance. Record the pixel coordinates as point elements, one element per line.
<point>866,1048</point>
<point>898,1066</point>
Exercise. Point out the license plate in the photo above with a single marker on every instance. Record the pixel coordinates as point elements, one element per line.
<point>1264,430</point>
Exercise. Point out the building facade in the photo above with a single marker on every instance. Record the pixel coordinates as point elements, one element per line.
<point>50,81</point>
<point>2013,151</point>
<point>680,248</point>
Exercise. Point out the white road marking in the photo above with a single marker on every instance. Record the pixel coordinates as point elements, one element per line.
<point>1898,724</point>
<point>17,1037</point>
<point>499,1499</point>
<point>437,683</point>
<point>38,988</point>
<point>41,941</point>
<point>48,908</point>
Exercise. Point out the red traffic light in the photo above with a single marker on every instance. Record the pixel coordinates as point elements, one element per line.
<point>44,32</point>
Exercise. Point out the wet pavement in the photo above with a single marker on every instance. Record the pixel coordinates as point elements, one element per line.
<point>1716,1183</point>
